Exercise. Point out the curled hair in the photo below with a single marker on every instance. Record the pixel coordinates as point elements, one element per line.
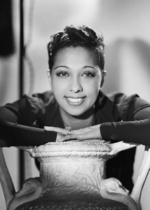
<point>77,36</point>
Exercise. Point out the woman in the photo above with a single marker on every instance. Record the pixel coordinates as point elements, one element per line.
<point>76,108</point>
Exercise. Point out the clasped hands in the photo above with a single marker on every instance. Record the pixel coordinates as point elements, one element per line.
<point>66,134</point>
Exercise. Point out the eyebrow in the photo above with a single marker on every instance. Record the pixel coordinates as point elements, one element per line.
<point>61,67</point>
<point>84,67</point>
<point>92,67</point>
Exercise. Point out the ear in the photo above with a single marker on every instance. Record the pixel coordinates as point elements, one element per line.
<point>103,77</point>
<point>49,78</point>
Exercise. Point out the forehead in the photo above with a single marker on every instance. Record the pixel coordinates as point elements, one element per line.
<point>75,56</point>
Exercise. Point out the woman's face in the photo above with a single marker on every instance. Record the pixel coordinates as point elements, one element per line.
<point>75,80</point>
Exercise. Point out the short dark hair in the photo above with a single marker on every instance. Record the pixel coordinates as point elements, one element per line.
<point>77,36</point>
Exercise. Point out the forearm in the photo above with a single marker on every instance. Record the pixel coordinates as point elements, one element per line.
<point>134,131</point>
<point>13,134</point>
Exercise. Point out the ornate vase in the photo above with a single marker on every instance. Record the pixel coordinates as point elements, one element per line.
<point>73,178</point>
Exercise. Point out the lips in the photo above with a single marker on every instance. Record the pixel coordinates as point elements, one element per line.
<point>75,101</point>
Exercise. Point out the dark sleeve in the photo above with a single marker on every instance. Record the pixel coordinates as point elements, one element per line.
<point>135,124</point>
<point>25,110</point>
<point>16,123</point>
<point>13,134</point>
<point>132,131</point>
<point>135,129</point>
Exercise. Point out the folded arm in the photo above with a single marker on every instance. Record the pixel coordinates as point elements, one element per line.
<point>135,131</point>
<point>14,134</point>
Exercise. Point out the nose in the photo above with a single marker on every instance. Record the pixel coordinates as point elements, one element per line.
<point>76,85</point>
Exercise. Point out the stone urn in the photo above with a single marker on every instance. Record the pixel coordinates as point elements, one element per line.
<point>72,177</point>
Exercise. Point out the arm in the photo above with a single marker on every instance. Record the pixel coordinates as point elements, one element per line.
<point>16,124</point>
<point>13,134</point>
<point>137,131</point>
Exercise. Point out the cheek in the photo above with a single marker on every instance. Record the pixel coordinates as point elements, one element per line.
<point>58,88</point>
<point>93,91</point>
<point>55,84</point>
<point>60,83</point>
<point>93,87</point>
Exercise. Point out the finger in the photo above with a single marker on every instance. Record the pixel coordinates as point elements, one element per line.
<point>73,137</point>
<point>57,130</point>
<point>51,128</point>
<point>65,138</point>
<point>79,138</point>
<point>59,136</point>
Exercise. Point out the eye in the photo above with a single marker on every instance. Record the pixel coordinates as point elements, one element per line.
<point>89,74</point>
<point>62,74</point>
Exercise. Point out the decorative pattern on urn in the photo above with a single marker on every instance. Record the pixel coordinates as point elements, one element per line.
<point>78,178</point>
<point>73,177</point>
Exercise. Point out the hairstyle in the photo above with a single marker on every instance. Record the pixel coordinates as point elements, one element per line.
<point>77,36</point>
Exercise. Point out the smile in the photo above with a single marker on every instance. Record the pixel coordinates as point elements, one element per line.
<point>75,101</point>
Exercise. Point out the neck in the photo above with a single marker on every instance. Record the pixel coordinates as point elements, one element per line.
<point>77,122</point>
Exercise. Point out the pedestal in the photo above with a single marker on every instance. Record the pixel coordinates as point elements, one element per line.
<point>73,178</point>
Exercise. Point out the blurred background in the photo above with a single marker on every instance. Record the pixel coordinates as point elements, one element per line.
<point>126,30</point>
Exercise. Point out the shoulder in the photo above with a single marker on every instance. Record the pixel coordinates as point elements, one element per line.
<point>127,105</point>
<point>39,101</point>
<point>35,103</point>
<point>26,109</point>
<point>119,97</point>
<point>46,97</point>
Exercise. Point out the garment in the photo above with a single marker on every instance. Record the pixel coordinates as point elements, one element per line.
<point>121,117</point>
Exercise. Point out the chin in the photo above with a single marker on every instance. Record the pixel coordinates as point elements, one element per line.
<point>77,113</point>
<point>74,112</point>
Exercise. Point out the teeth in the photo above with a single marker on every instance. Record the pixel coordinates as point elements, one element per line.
<point>75,101</point>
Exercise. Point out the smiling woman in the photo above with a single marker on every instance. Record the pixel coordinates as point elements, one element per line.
<point>76,73</point>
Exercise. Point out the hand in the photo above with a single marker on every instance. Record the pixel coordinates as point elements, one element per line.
<point>92,132</point>
<point>61,132</point>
